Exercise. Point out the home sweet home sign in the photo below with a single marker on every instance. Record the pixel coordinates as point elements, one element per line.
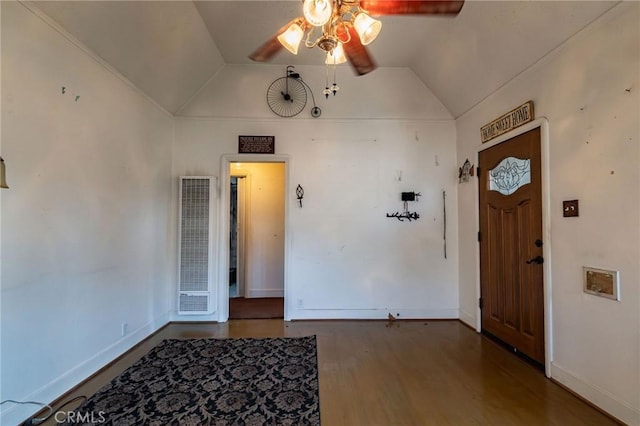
<point>509,121</point>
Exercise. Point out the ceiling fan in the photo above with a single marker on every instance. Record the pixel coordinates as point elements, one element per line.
<point>343,28</point>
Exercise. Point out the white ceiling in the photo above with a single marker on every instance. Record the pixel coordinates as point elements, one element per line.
<point>170,49</point>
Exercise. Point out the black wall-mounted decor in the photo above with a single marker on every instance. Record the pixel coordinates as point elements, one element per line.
<point>409,196</point>
<point>406,214</point>
<point>465,172</point>
<point>300,194</point>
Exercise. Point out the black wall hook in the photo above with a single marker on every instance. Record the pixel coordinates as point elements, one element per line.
<point>300,194</point>
<point>406,197</point>
<point>406,215</point>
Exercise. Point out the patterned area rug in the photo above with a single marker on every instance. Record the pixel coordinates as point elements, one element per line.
<point>270,381</point>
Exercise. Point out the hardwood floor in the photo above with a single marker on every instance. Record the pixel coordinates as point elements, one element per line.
<point>256,308</point>
<point>402,373</point>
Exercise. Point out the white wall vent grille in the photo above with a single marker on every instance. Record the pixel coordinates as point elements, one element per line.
<point>194,302</point>
<point>196,245</point>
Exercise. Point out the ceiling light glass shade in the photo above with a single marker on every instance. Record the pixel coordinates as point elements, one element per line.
<point>337,57</point>
<point>317,12</point>
<point>367,28</point>
<point>291,38</point>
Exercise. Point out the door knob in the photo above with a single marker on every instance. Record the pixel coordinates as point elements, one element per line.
<point>538,260</point>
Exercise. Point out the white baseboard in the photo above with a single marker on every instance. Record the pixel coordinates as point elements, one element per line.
<point>468,319</point>
<point>176,317</point>
<point>597,396</point>
<point>54,389</point>
<point>214,316</point>
<point>373,314</point>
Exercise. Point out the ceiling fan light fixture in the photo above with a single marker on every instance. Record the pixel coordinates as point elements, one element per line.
<point>291,38</point>
<point>336,56</point>
<point>317,12</point>
<point>348,22</point>
<point>367,27</point>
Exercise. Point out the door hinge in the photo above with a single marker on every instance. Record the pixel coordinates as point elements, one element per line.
<point>479,236</point>
<point>478,172</point>
<point>480,303</point>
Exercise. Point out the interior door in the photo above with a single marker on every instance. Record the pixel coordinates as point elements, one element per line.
<point>236,235</point>
<point>511,274</point>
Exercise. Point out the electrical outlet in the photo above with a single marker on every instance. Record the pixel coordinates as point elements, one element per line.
<point>125,329</point>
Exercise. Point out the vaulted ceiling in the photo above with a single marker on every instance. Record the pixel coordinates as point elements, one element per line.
<point>170,49</point>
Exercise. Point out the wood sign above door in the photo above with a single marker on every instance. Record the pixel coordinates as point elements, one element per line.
<point>256,144</point>
<point>509,121</point>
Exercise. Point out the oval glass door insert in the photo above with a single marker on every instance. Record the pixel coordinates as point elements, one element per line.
<point>510,175</point>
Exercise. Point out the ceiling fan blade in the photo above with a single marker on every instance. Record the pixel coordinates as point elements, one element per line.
<point>267,51</point>
<point>272,46</point>
<point>356,53</point>
<point>412,7</point>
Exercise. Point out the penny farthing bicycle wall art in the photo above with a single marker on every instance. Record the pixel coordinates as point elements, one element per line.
<point>287,96</point>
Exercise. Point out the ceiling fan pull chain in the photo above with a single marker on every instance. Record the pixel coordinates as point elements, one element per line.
<point>326,90</point>
<point>335,87</point>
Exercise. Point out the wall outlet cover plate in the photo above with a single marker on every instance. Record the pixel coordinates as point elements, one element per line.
<point>601,282</point>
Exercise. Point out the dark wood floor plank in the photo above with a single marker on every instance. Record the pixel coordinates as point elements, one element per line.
<point>256,308</point>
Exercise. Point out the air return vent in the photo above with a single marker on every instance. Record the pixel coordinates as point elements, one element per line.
<point>195,263</point>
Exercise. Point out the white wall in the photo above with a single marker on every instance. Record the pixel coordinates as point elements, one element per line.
<point>85,224</point>
<point>588,89</point>
<point>264,230</point>
<point>346,259</point>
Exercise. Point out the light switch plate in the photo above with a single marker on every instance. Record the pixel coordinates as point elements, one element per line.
<point>570,208</point>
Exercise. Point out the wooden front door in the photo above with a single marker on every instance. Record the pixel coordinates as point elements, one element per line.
<point>511,274</point>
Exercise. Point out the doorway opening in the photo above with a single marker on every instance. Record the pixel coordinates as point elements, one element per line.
<point>256,240</point>
<point>236,235</point>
